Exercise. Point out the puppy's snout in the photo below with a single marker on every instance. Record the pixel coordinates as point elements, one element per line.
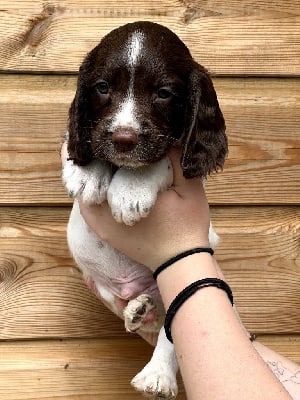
<point>124,139</point>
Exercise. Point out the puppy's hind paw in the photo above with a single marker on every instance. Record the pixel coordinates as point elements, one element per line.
<point>155,382</point>
<point>139,312</point>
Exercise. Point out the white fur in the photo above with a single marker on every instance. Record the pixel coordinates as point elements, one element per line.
<point>158,377</point>
<point>134,48</point>
<point>126,116</point>
<point>89,183</point>
<point>103,264</point>
<point>131,194</point>
<point>137,311</point>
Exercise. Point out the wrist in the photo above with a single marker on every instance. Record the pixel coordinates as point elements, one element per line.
<point>180,256</point>
<point>169,249</point>
<point>188,292</point>
<point>184,272</point>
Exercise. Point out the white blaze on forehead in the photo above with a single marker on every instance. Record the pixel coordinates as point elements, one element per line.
<point>134,47</point>
<point>126,117</point>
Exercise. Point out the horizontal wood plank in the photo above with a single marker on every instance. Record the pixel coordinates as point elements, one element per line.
<point>233,37</point>
<point>72,370</point>
<point>259,252</point>
<point>42,294</point>
<point>287,345</point>
<point>88,369</point>
<point>262,117</point>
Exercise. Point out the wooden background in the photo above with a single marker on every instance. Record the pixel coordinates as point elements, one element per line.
<point>56,339</point>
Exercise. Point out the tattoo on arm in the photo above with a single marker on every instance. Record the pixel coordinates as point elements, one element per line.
<point>284,374</point>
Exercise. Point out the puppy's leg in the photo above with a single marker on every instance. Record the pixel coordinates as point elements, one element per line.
<point>112,302</point>
<point>88,183</point>
<point>133,192</point>
<point>158,377</point>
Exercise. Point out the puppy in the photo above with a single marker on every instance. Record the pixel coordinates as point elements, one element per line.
<point>139,93</point>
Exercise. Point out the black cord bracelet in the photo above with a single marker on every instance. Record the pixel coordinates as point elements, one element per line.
<point>188,292</point>
<point>180,256</point>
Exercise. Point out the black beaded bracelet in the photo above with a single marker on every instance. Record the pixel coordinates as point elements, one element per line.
<point>188,292</point>
<point>180,256</point>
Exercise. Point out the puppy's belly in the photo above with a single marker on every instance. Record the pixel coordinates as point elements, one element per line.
<point>107,267</point>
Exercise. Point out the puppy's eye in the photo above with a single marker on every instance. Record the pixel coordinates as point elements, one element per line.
<point>102,87</point>
<point>164,93</point>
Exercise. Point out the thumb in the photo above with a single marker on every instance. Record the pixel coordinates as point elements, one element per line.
<point>64,153</point>
<point>178,177</point>
<point>180,183</point>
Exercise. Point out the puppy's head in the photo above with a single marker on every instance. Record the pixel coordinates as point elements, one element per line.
<point>139,92</point>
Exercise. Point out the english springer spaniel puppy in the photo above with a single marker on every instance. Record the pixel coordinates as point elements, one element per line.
<point>139,93</point>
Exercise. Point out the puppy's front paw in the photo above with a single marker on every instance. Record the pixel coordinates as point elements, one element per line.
<point>88,183</point>
<point>131,207</point>
<point>133,192</point>
<point>130,198</point>
<point>138,312</point>
<point>156,381</point>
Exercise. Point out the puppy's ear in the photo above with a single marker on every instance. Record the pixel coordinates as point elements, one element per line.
<point>204,143</point>
<point>79,147</point>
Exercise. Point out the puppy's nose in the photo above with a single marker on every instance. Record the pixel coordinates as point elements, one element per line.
<point>124,139</point>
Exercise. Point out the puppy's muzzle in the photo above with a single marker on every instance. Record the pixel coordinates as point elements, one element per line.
<point>124,139</point>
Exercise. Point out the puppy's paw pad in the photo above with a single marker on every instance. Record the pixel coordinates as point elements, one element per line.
<point>155,383</point>
<point>138,312</point>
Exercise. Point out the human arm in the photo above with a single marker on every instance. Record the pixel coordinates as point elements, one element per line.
<point>216,358</point>
<point>223,363</point>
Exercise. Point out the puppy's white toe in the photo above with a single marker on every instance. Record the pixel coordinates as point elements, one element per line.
<point>133,192</point>
<point>130,206</point>
<point>156,381</point>
<point>88,183</point>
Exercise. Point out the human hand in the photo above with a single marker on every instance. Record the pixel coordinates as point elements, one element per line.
<point>64,153</point>
<point>178,221</point>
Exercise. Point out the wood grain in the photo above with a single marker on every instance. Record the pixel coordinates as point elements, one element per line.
<point>88,369</point>
<point>287,345</point>
<point>233,37</point>
<point>42,294</point>
<point>262,117</point>
<point>72,370</point>
<point>259,251</point>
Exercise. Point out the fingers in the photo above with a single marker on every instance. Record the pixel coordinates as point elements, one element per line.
<point>64,153</point>
<point>180,184</point>
<point>100,220</point>
<point>178,177</point>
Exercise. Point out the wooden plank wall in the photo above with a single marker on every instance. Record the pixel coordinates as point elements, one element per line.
<point>56,339</point>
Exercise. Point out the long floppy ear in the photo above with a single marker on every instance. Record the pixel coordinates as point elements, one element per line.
<point>204,143</point>
<point>79,147</point>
